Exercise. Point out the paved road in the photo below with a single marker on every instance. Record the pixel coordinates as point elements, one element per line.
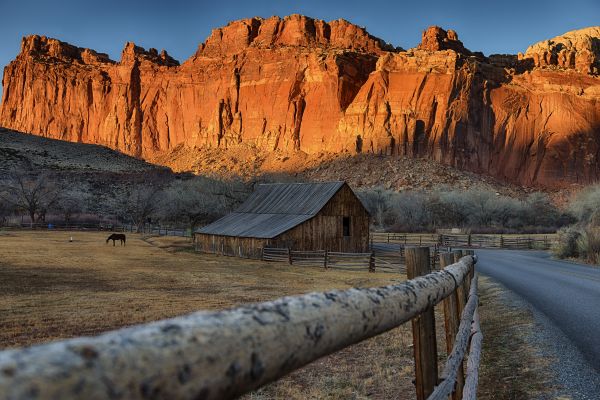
<point>567,294</point>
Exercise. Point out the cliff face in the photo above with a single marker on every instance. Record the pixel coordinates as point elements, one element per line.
<point>540,126</point>
<point>298,84</point>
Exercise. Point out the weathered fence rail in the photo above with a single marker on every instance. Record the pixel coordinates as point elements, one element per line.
<point>322,258</point>
<point>350,260</point>
<point>380,259</point>
<point>221,355</point>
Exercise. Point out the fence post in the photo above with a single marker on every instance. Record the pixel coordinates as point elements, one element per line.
<point>462,294</point>
<point>469,240</point>
<point>451,322</point>
<point>289,255</point>
<point>325,260</point>
<point>372,262</point>
<point>472,274</point>
<point>501,242</point>
<point>423,327</point>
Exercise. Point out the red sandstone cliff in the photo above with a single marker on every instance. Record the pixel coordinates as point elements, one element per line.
<point>298,84</point>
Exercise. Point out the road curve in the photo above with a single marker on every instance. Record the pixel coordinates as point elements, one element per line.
<point>568,294</point>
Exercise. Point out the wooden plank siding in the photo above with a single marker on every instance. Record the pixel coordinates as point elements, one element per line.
<point>325,230</point>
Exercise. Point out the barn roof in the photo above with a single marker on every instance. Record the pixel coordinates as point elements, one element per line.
<point>274,208</point>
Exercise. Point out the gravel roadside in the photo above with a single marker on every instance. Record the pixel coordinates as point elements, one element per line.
<point>525,356</point>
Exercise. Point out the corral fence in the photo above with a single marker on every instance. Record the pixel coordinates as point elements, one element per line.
<point>380,258</point>
<point>222,355</point>
<point>376,260</point>
<point>320,258</point>
<point>488,241</point>
<point>393,258</point>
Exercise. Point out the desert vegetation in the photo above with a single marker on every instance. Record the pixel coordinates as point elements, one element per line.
<point>582,239</point>
<point>476,210</point>
<point>188,201</point>
<point>185,200</point>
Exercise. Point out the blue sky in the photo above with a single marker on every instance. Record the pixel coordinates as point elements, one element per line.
<point>179,26</point>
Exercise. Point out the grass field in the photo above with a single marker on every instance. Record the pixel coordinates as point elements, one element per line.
<point>51,288</point>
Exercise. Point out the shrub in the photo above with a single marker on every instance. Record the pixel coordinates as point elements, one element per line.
<point>588,245</point>
<point>567,245</point>
<point>586,204</point>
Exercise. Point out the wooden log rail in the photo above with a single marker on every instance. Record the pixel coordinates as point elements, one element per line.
<point>220,355</point>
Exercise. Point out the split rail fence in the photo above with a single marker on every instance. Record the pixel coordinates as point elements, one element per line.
<point>379,259</point>
<point>489,241</point>
<point>225,354</point>
<point>321,258</point>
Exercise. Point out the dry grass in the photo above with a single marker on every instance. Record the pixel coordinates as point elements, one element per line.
<point>512,368</point>
<point>51,288</point>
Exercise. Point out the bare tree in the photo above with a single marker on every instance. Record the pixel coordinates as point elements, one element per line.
<point>378,202</point>
<point>202,200</point>
<point>143,201</point>
<point>70,203</point>
<point>6,209</point>
<point>31,192</point>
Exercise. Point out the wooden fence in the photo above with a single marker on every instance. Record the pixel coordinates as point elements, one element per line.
<point>224,354</point>
<point>379,259</point>
<point>487,241</point>
<point>321,258</point>
<point>161,230</point>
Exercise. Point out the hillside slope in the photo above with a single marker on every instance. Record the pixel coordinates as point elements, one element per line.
<point>104,168</point>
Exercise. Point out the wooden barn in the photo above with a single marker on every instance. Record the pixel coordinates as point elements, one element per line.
<point>299,216</point>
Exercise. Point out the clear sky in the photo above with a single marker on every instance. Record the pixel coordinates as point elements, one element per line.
<point>178,26</point>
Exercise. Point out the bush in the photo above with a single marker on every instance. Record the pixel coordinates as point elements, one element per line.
<point>586,204</point>
<point>588,245</point>
<point>475,210</point>
<point>567,245</point>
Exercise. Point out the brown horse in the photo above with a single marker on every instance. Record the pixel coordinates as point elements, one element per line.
<point>117,236</point>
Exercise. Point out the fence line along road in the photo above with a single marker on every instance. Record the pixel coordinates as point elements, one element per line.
<point>490,241</point>
<point>216,355</point>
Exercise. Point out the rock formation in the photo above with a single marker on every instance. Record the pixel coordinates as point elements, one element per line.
<point>300,84</point>
<point>578,50</point>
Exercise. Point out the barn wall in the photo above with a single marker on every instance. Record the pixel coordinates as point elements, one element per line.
<point>324,231</point>
<point>230,245</point>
